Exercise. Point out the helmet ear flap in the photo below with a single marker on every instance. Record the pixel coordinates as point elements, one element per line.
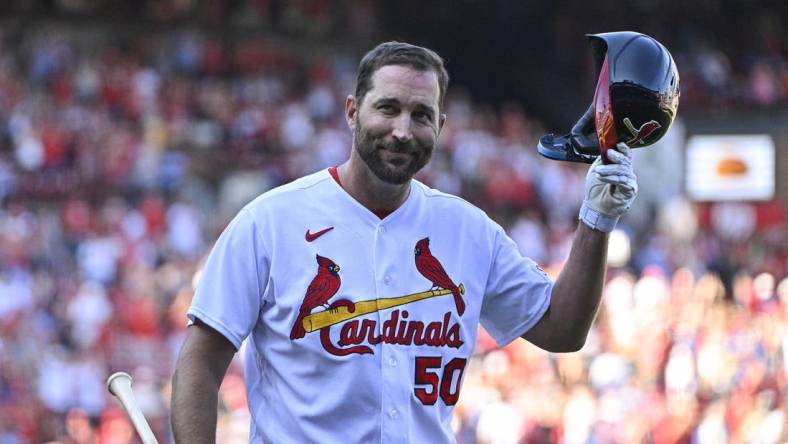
<point>580,145</point>
<point>583,133</point>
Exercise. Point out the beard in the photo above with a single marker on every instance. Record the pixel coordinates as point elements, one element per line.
<point>371,150</point>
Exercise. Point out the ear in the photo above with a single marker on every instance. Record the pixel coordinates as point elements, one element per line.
<point>351,109</point>
<point>441,121</point>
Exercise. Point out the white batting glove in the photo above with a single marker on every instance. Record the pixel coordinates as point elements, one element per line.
<point>610,189</point>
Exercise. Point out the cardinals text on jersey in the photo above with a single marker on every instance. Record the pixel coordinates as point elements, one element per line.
<point>397,329</point>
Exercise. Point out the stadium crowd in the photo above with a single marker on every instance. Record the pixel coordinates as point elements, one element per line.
<point>120,163</point>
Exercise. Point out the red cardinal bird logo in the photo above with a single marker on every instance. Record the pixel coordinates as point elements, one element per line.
<point>431,268</point>
<point>322,288</point>
<point>639,134</point>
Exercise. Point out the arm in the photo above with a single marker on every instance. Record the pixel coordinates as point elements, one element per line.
<point>199,372</point>
<point>609,192</point>
<point>575,297</point>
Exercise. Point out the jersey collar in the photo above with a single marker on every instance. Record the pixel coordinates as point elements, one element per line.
<point>363,212</point>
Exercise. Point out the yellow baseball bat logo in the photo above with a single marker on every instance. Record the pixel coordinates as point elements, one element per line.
<point>327,318</point>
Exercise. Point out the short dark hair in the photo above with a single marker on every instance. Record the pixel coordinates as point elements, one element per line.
<point>397,53</point>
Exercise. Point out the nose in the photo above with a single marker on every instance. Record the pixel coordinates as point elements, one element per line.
<point>402,129</point>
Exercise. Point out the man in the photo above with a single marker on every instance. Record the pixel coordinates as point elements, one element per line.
<point>360,289</point>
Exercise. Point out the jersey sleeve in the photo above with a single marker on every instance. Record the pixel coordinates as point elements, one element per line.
<point>517,293</point>
<point>229,292</point>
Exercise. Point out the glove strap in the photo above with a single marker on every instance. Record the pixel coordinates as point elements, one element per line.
<point>597,220</point>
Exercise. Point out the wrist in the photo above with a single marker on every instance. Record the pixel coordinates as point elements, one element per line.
<point>596,220</point>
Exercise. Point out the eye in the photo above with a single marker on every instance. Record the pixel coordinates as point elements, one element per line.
<point>387,108</point>
<point>422,116</point>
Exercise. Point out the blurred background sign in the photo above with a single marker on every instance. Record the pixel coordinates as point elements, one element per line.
<point>730,167</point>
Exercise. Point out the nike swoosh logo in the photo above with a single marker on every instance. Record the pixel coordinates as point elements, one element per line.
<point>312,236</point>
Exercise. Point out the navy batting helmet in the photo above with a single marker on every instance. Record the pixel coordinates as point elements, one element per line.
<point>636,98</point>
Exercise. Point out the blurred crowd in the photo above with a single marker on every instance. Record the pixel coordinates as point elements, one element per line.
<point>730,68</point>
<point>121,160</point>
<point>669,360</point>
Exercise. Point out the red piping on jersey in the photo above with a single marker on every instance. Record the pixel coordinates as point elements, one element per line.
<point>335,174</point>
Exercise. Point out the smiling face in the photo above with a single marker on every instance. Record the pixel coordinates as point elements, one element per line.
<point>396,125</point>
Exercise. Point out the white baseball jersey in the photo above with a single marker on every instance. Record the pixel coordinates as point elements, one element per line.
<point>359,328</point>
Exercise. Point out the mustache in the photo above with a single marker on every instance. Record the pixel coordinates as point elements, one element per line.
<point>399,147</point>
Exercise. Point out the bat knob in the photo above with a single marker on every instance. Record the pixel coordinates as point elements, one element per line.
<point>461,288</point>
<point>116,379</point>
<point>119,384</point>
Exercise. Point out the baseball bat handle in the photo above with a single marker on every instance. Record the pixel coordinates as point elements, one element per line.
<point>119,384</point>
